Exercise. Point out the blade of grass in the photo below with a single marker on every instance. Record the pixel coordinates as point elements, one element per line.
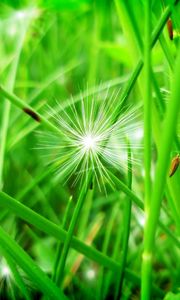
<point>126,231</point>
<point>52,78</point>
<point>105,246</point>
<point>75,216</point>
<point>125,9</point>
<point>159,184</point>
<point>127,89</point>
<point>42,86</point>
<point>155,35</point>
<point>115,251</point>
<point>10,81</point>
<point>51,229</point>
<point>121,186</point>
<point>84,218</point>
<point>17,277</point>
<point>28,215</point>
<point>28,109</point>
<point>29,267</point>
<point>89,237</point>
<point>147,104</point>
<point>147,118</point>
<point>56,275</point>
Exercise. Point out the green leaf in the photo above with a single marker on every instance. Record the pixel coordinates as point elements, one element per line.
<point>44,284</point>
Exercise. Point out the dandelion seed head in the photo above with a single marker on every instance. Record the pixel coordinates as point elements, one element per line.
<point>91,138</point>
<point>89,142</point>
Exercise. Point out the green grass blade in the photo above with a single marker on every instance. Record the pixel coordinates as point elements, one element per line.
<point>126,231</point>
<point>17,277</point>
<point>56,275</point>
<point>26,108</point>
<point>43,283</point>
<point>73,222</point>
<point>51,229</point>
<point>147,104</point>
<point>159,184</point>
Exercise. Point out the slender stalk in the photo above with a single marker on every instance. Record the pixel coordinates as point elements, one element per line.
<point>72,225</point>
<point>159,184</point>
<point>147,126</point>
<point>27,264</point>
<point>158,110</point>
<point>4,129</point>
<point>56,276</point>
<point>48,227</point>
<point>147,104</point>
<point>94,45</point>
<point>115,256</point>
<point>85,214</point>
<point>126,232</point>
<point>155,35</point>
<point>121,186</point>
<point>105,246</point>
<point>10,81</point>
<point>17,277</point>
<point>28,109</point>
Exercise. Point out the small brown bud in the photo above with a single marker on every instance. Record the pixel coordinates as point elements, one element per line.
<point>174,165</point>
<point>170,29</point>
<point>32,114</point>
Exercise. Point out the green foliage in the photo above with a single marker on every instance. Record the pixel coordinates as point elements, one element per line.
<point>64,238</point>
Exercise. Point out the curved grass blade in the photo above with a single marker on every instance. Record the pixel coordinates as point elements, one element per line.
<point>44,284</point>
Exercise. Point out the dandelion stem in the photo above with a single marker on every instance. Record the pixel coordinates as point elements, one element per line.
<point>72,225</point>
<point>56,276</point>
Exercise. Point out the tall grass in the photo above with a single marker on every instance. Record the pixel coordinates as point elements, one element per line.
<point>115,233</point>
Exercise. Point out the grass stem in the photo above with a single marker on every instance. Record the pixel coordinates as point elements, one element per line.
<point>159,184</point>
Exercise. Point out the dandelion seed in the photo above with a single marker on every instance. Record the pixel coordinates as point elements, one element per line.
<point>91,139</point>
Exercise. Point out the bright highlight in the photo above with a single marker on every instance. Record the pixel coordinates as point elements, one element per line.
<point>89,143</point>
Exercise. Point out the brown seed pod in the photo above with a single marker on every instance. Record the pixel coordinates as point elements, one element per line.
<point>32,114</point>
<point>174,165</point>
<point>170,29</point>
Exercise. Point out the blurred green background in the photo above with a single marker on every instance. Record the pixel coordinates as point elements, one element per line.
<point>50,51</point>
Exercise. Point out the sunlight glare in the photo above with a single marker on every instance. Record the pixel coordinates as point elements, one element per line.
<point>89,142</point>
<point>5,271</point>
